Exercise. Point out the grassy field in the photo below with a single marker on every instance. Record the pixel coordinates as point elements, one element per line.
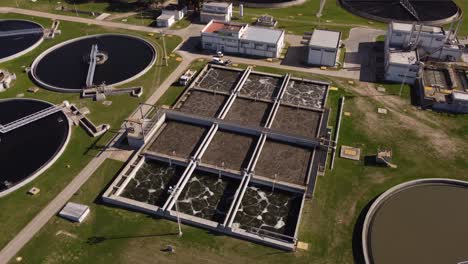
<point>81,148</point>
<point>425,144</point>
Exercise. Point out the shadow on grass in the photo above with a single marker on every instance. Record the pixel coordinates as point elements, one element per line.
<point>94,240</point>
<point>357,234</point>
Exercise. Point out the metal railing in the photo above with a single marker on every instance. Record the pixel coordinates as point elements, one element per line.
<point>29,119</point>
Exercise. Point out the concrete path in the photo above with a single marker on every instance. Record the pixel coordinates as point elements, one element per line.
<point>357,36</point>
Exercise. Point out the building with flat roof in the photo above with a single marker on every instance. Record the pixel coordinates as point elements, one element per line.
<point>170,14</point>
<point>402,66</point>
<point>323,47</point>
<point>216,10</point>
<point>242,39</point>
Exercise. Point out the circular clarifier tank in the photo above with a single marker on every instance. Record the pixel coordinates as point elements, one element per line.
<point>28,146</point>
<point>422,221</point>
<point>18,37</point>
<point>433,12</point>
<point>119,59</point>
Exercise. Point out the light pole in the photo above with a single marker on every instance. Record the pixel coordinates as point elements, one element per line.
<point>164,47</point>
<point>410,60</point>
<point>173,191</point>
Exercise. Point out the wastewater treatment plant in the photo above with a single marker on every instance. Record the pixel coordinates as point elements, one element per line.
<point>131,134</point>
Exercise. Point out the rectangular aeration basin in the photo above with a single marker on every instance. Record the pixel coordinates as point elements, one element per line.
<point>220,80</point>
<point>259,86</point>
<point>229,150</point>
<point>151,182</point>
<point>305,94</point>
<point>208,195</point>
<point>284,162</point>
<point>249,112</point>
<point>202,103</point>
<point>297,121</point>
<point>270,212</point>
<point>178,139</point>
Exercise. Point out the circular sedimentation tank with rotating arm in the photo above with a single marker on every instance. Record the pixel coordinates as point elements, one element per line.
<point>77,64</point>
<point>430,12</point>
<point>33,135</point>
<point>17,37</point>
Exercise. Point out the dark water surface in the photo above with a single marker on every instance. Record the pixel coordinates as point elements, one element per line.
<point>67,66</point>
<point>14,44</point>
<point>26,149</point>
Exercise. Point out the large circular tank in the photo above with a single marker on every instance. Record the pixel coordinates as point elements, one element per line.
<point>27,150</point>
<point>430,12</point>
<point>18,37</point>
<point>421,221</point>
<point>121,59</point>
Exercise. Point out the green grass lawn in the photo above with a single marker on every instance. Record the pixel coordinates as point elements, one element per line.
<point>81,147</point>
<point>80,5</point>
<point>122,236</point>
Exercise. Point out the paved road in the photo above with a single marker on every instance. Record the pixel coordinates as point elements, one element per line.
<point>358,36</point>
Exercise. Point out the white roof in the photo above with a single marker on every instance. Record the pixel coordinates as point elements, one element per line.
<point>261,34</point>
<point>403,57</point>
<point>217,4</point>
<point>325,38</point>
<point>74,211</point>
<point>165,16</point>
<point>460,96</point>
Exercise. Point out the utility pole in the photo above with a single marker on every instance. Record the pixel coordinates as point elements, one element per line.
<point>410,60</point>
<point>164,47</point>
<point>173,191</point>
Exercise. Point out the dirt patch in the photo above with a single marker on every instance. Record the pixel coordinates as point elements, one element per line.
<point>248,112</point>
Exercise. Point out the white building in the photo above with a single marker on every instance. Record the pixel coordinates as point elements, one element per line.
<point>216,10</point>
<point>431,42</point>
<point>323,47</point>
<point>399,64</point>
<point>170,14</point>
<point>242,39</point>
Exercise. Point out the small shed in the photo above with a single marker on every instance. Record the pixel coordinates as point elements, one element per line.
<point>74,212</point>
<point>165,20</point>
<point>323,47</point>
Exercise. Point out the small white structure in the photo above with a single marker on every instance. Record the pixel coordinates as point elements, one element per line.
<point>323,47</point>
<point>165,20</point>
<point>402,66</point>
<point>170,14</point>
<point>74,212</point>
<point>216,10</point>
<point>242,39</point>
<point>5,79</point>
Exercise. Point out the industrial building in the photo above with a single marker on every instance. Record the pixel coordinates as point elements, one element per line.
<point>407,44</point>
<point>242,39</point>
<point>323,47</point>
<point>431,42</point>
<point>216,10</point>
<point>444,87</point>
<point>170,14</point>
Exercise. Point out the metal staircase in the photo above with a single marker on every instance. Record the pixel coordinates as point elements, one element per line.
<point>409,7</point>
<point>29,119</point>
